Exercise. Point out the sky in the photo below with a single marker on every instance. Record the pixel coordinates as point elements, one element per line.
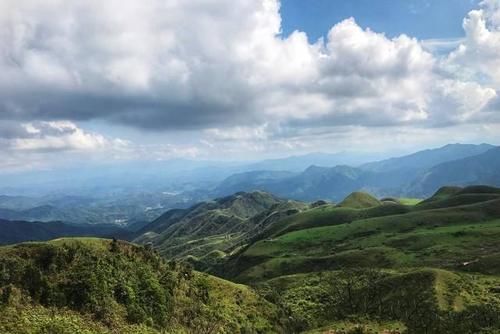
<point>423,19</point>
<point>93,81</point>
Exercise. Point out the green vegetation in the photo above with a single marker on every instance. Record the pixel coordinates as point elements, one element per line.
<point>216,227</point>
<point>439,258</point>
<point>102,286</point>
<point>413,300</point>
<point>359,200</point>
<point>409,201</point>
<point>360,327</point>
<point>363,266</point>
<point>442,238</point>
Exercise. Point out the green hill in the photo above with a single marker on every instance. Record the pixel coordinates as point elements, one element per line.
<point>443,193</point>
<point>441,255</point>
<point>102,286</point>
<point>363,266</point>
<point>360,200</point>
<point>220,225</point>
<point>371,301</point>
<point>418,238</point>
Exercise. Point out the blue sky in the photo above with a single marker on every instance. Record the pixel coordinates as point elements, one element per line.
<point>423,19</point>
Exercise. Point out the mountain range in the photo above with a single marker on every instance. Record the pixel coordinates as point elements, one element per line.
<point>416,175</point>
<point>146,194</point>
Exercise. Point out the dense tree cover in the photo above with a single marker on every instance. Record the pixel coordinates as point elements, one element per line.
<point>118,285</point>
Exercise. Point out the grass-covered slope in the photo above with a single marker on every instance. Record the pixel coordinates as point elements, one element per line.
<point>368,265</point>
<point>103,286</point>
<point>442,238</point>
<point>429,267</point>
<point>220,216</point>
<point>375,301</point>
<point>360,200</point>
<point>208,230</point>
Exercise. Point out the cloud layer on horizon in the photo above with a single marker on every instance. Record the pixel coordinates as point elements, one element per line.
<point>223,68</point>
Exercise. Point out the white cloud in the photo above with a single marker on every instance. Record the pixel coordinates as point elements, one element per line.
<point>239,133</point>
<point>223,67</point>
<point>40,144</point>
<point>478,56</point>
<point>58,136</point>
<point>196,64</point>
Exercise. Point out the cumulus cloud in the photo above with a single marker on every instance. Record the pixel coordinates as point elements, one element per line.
<point>24,143</point>
<point>58,136</point>
<point>223,67</point>
<point>478,56</point>
<point>178,64</point>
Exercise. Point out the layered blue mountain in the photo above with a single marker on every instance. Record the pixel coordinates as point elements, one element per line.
<point>418,174</point>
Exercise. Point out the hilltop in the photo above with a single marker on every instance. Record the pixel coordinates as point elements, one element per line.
<point>387,235</point>
<point>207,230</point>
<point>360,200</point>
<point>103,286</point>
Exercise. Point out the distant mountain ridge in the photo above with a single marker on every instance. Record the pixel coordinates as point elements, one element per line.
<point>480,169</point>
<point>298,163</point>
<point>428,158</point>
<point>308,177</point>
<point>392,177</point>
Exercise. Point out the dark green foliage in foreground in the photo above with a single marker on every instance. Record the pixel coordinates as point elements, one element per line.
<point>426,301</point>
<point>114,286</point>
<point>93,280</point>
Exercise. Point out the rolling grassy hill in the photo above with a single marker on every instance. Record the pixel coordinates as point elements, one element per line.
<point>361,266</point>
<point>432,265</point>
<point>420,300</point>
<point>442,233</point>
<point>206,231</point>
<point>102,286</point>
<point>360,200</point>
